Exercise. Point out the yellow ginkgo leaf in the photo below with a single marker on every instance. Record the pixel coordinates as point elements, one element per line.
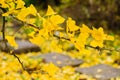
<point>20,4</point>
<point>50,11</point>
<point>85,29</point>
<point>25,12</point>
<point>57,19</point>
<point>71,25</point>
<point>37,40</point>
<point>22,14</point>
<point>96,43</point>
<point>98,34</point>
<point>11,40</point>
<point>32,10</point>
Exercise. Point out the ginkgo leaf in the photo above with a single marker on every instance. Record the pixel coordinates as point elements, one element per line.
<point>96,43</point>
<point>26,11</point>
<point>32,10</point>
<point>50,11</point>
<point>20,4</point>
<point>85,29</point>
<point>22,14</point>
<point>57,19</point>
<point>11,40</point>
<point>37,40</point>
<point>98,34</point>
<point>71,25</point>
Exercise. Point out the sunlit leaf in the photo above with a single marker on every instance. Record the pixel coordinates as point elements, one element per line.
<point>71,25</point>
<point>20,4</point>
<point>50,11</point>
<point>57,19</point>
<point>11,40</point>
<point>31,10</point>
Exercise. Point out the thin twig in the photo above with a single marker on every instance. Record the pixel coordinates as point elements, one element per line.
<point>98,48</point>
<point>5,41</point>
<point>61,37</point>
<point>19,61</point>
<point>3,31</point>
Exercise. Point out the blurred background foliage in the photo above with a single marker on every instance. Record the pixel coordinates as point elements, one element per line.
<point>97,13</point>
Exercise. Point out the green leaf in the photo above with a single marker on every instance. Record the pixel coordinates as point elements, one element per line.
<point>38,22</point>
<point>28,30</point>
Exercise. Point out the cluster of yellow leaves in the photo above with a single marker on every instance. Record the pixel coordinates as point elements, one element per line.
<point>51,23</point>
<point>16,8</point>
<point>10,69</point>
<point>51,69</point>
<point>12,6</point>
<point>98,36</point>
<point>43,72</point>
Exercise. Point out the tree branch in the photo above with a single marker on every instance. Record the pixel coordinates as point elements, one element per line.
<point>19,61</point>
<point>61,37</point>
<point>37,27</point>
<point>98,48</point>
<point>3,31</point>
<point>5,41</point>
